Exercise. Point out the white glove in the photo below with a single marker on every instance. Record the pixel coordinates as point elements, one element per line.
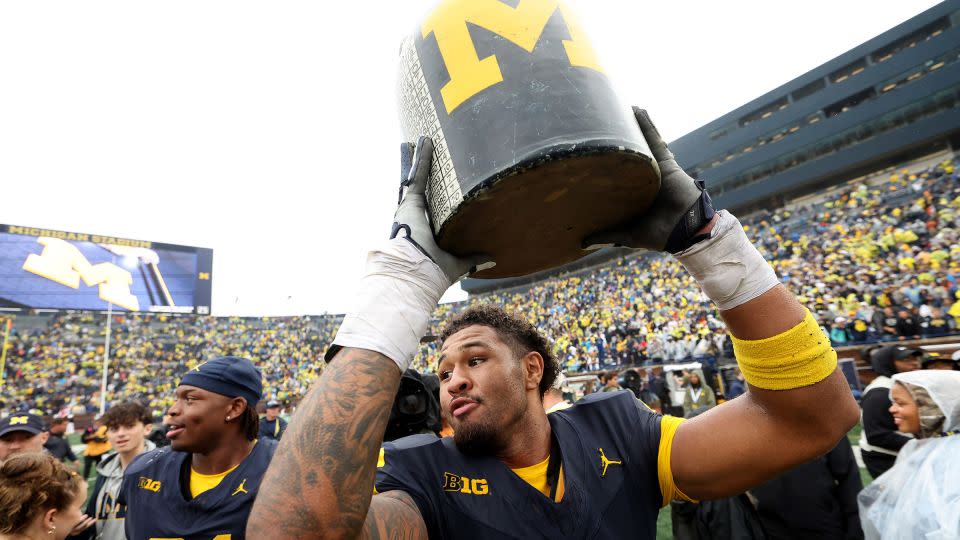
<point>406,275</point>
<point>728,267</point>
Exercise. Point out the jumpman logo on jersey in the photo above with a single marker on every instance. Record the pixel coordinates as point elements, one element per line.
<point>607,462</point>
<point>241,488</point>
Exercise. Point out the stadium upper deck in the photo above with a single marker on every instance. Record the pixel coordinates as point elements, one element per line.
<point>892,241</point>
<point>890,99</point>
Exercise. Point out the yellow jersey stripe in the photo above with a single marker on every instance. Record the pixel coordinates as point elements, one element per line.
<point>670,491</point>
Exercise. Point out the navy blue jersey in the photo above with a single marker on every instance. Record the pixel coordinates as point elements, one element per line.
<point>159,504</point>
<point>272,429</point>
<point>608,444</point>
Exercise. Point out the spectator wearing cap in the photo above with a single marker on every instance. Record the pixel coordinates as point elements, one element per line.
<point>935,361</point>
<point>58,446</point>
<point>880,441</point>
<point>21,433</point>
<point>271,425</point>
<point>839,335</point>
<point>203,485</point>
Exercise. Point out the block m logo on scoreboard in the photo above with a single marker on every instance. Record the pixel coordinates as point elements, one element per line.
<point>522,25</point>
<point>62,262</point>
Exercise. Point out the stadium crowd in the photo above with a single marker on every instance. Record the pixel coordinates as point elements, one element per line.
<point>56,368</point>
<point>875,260</point>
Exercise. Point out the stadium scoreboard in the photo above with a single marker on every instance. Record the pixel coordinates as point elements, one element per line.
<point>49,269</point>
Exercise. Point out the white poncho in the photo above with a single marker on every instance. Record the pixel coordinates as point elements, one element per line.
<point>919,498</point>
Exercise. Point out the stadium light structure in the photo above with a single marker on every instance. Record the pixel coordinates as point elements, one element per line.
<point>7,326</point>
<point>106,355</point>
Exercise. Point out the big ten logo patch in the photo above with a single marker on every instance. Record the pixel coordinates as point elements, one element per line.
<point>522,25</point>
<point>149,484</point>
<point>462,484</point>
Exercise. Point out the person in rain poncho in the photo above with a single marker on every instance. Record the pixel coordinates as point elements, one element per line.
<point>918,497</point>
<point>880,440</point>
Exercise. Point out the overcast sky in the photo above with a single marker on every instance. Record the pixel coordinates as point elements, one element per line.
<point>268,131</point>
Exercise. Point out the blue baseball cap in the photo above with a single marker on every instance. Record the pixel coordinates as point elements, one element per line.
<point>30,423</point>
<point>230,376</point>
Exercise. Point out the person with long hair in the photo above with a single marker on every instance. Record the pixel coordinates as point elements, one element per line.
<point>40,498</point>
<point>698,397</point>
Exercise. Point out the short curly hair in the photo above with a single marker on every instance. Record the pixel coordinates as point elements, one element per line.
<point>521,336</point>
<point>127,414</point>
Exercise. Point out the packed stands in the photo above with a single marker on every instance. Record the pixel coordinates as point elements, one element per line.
<point>875,259</point>
<point>54,363</point>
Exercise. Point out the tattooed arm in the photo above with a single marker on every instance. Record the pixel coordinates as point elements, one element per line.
<point>394,515</point>
<point>320,481</point>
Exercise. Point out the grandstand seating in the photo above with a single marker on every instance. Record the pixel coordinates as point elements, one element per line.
<point>890,240</point>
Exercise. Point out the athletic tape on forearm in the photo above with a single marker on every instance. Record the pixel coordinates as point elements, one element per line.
<point>728,267</point>
<point>396,298</point>
<point>798,357</point>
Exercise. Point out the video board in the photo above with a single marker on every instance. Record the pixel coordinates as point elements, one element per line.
<point>43,268</point>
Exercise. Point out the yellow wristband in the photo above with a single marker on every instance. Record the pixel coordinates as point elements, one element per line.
<point>798,357</point>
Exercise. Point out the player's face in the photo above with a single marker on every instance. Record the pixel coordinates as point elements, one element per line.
<point>21,442</point>
<point>904,410</point>
<point>196,420</point>
<point>128,438</point>
<point>481,389</point>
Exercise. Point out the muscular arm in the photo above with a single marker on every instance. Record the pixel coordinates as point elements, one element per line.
<point>763,432</point>
<point>320,481</point>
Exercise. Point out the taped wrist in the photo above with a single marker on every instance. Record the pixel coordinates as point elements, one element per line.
<point>727,266</point>
<point>396,297</point>
<point>799,357</point>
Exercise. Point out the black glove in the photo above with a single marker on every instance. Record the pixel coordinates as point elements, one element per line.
<point>682,206</point>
